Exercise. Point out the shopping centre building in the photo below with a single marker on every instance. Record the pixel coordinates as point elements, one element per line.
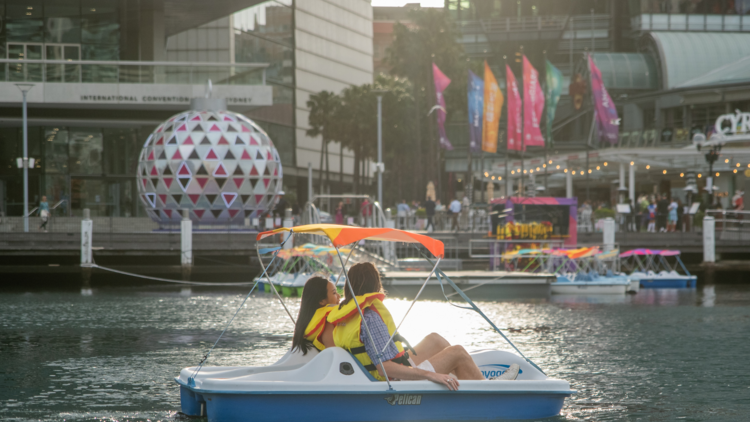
<point>105,73</point>
<point>675,69</point>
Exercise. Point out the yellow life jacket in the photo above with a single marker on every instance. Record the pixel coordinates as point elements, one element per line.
<point>346,332</point>
<point>317,325</point>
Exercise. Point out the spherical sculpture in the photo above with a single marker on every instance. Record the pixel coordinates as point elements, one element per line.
<point>219,165</point>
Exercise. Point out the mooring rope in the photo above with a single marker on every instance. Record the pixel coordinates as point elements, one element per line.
<point>167,280</point>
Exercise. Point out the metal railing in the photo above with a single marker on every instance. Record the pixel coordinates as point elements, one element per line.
<point>690,22</point>
<point>730,224</point>
<point>132,72</point>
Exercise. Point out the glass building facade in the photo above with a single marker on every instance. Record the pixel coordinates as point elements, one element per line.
<point>92,163</point>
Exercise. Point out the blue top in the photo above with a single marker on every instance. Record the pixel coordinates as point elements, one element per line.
<point>380,336</point>
<point>43,206</point>
<point>403,207</point>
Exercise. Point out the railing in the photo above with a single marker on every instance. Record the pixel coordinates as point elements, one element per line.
<point>731,225</point>
<point>54,207</point>
<point>112,225</point>
<point>132,72</point>
<point>686,22</point>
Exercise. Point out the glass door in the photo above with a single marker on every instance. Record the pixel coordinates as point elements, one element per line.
<point>31,72</point>
<point>63,72</point>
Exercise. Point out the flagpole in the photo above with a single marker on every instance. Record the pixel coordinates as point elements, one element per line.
<point>508,182</point>
<point>546,120</point>
<point>523,132</point>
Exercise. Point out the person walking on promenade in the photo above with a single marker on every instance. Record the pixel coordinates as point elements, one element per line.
<point>643,211</point>
<point>366,210</point>
<point>340,213</point>
<point>429,208</point>
<point>455,210</point>
<point>403,211</point>
<point>44,213</point>
<point>662,209</point>
<point>465,209</point>
<point>651,217</point>
<point>672,216</point>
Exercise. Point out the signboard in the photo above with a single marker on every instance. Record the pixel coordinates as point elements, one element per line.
<point>178,95</point>
<point>623,209</point>
<point>736,123</point>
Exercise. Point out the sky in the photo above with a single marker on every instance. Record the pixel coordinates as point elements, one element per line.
<point>399,3</point>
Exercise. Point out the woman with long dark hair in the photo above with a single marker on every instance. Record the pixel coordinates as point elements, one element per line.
<point>433,358</point>
<point>319,298</point>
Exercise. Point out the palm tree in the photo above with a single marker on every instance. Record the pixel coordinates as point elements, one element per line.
<point>322,123</point>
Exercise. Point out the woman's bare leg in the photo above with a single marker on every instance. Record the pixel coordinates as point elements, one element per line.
<point>429,346</point>
<point>456,360</point>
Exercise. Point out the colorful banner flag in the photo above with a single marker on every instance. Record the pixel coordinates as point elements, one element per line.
<point>515,123</point>
<point>441,82</point>
<point>552,94</point>
<point>533,106</point>
<point>493,106</point>
<point>607,121</point>
<point>476,108</point>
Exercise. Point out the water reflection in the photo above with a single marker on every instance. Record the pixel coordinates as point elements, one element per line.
<point>113,355</point>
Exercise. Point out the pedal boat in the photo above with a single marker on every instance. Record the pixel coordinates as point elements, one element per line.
<point>332,385</point>
<point>652,269</point>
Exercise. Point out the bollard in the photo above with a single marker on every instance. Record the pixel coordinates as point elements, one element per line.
<point>186,245</point>
<point>609,234</point>
<point>87,230</point>
<point>709,240</point>
<point>288,222</point>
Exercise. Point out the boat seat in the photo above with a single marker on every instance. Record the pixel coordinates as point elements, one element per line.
<point>369,375</point>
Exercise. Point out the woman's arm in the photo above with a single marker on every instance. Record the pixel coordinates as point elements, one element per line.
<point>403,372</point>
<point>327,337</point>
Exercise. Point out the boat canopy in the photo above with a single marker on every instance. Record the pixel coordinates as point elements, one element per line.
<point>570,253</point>
<point>346,235</point>
<point>309,250</point>
<point>662,252</point>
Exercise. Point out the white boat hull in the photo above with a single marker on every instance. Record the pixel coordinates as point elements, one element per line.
<point>590,288</point>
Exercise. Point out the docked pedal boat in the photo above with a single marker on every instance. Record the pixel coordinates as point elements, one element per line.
<point>332,386</point>
<point>596,284</point>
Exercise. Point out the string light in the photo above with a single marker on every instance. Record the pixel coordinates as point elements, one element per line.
<point>486,174</point>
<point>726,161</point>
<point>738,164</point>
<point>537,169</point>
<point>525,171</point>
<point>717,174</point>
<point>566,170</point>
<point>558,166</point>
<point>648,166</point>
<point>632,163</point>
<point>512,172</point>
<point>589,171</point>
<point>664,172</point>
<point>597,167</point>
<point>550,161</point>
<point>544,165</point>
<point>499,177</point>
<point>531,171</point>
<point>735,171</point>
<point>682,174</point>
<point>700,175</point>
<point>605,164</point>
<point>574,172</point>
<point>493,177</point>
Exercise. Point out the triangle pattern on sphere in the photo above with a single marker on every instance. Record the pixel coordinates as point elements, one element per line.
<point>239,141</point>
<point>202,181</point>
<point>202,170</point>
<point>221,181</point>
<point>199,213</point>
<point>184,182</point>
<point>167,171</point>
<point>214,128</point>
<point>238,172</point>
<point>211,198</point>
<point>155,181</point>
<point>151,155</point>
<point>211,155</point>
<point>231,128</point>
<point>163,199</point>
<point>228,198</point>
<point>172,140</point>
<point>205,141</point>
<point>160,141</point>
<point>245,156</point>
<point>220,171</point>
<point>168,213</point>
<point>222,141</point>
<point>188,141</point>
<point>216,213</point>
<point>184,171</point>
<point>253,141</point>
<point>238,181</point>
<point>154,171</point>
<point>253,172</point>
<point>258,155</point>
<point>229,155</point>
<point>233,213</point>
<point>168,181</point>
<point>177,155</point>
<point>245,129</point>
<point>228,119</point>
<point>150,199</point>
<point>244,198</point>
<point>212,119</point>
<point>196,118</point>
<point>194,198</point>
<point>194,155</point>
<point>177,198</point>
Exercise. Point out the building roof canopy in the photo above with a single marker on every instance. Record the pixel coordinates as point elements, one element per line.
<point>627,71</point>
<point>685,56</point>
<point>732,73</point>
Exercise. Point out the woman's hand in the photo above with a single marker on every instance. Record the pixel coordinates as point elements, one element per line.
<point>447,380</point>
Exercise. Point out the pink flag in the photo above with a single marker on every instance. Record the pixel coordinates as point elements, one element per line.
<point>606,114</point>
<point>441,82</point>
<point>533,106</point>
<point>514,111</point>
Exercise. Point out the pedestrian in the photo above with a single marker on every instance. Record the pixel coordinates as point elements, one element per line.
<point>340,213</point>
<point>280,210</point>
<point>662,210</point>
<point>439,214</point>
<point>651,217</point>
<point>680,216</point>
<point>465,208</point>
<point>643,204</point>
<point>44,213</point>
<point>366,210</point>
<point>429,208</point>
<point>455,209</point>
<point>630,217</point>
<point>403,211</point>
<point>672,216</point>
<point>738,204</point>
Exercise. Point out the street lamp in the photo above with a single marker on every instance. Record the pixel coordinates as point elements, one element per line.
<point>25,89</point>
<point>379,165</point>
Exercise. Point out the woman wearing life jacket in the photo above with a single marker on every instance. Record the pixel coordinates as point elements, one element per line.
<point>433,358</point>
<point>319,298</point>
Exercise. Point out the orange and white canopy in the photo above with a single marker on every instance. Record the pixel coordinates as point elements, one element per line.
<point>346,235</point>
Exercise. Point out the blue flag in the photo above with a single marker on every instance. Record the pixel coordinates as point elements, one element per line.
<point>476,110</point>
<point>552,92</point>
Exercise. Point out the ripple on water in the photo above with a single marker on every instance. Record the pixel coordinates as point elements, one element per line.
<point>112,355</point>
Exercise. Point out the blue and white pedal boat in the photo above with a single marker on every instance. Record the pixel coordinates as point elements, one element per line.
<point>658,269</point>
<point>590,283</point>
<point>332,385</point>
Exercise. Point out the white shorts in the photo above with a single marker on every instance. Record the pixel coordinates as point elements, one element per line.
<point>425,366</point>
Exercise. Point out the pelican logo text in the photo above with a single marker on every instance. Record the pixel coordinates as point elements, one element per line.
<point>409,399</point>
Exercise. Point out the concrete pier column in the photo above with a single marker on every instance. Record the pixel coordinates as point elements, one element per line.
<point>186,245</point>
<point>568,184</point>
<point>608,232</point>
<point>631,183</point>
<point>87,231</point>
<point>709,240</point>
<point>622,189</point>
<point>288,222</point>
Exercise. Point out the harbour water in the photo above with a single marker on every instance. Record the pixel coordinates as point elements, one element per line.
<point>110,354</point>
